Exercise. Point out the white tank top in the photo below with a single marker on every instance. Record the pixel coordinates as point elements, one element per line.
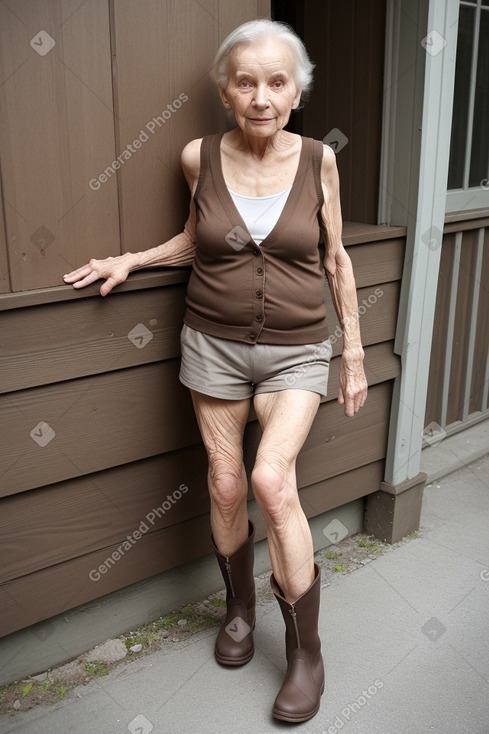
<point>260,213</point>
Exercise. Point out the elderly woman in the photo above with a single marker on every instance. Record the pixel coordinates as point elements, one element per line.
<point>264,225</point>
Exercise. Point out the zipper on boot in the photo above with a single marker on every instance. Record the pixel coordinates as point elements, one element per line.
<point>230,578</point>
<point>293,614</point>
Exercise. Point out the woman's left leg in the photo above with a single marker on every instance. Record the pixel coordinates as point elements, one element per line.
<point>286,419</point>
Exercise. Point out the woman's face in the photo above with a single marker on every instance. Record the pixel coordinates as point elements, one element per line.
<point>261,90</point>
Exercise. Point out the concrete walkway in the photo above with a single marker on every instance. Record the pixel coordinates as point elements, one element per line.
<point>405,641</point>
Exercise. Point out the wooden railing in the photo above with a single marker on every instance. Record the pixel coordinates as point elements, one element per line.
<point>459,370</point>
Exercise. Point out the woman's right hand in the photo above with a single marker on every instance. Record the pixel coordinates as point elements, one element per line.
<point>114,270</point>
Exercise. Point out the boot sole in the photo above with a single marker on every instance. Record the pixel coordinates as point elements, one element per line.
<point>234,661</point>
<point>297,718</point>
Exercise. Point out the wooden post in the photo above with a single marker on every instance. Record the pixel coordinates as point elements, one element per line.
<point>417,196</point>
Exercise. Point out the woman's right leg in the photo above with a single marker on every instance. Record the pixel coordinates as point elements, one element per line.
<point>222,424</point>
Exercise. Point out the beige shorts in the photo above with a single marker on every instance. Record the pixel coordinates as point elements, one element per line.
<point>232,370</point>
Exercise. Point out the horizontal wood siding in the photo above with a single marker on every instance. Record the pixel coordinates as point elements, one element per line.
<point>106,506</point>
<point>124,438</point>
<point>89,336</point>
<point>30,599</point>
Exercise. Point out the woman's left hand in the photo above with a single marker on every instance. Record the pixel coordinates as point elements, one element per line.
<point>352,392</point>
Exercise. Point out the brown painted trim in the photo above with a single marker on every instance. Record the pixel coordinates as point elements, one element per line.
<point>355,233</point>
<point>467,216</point>
<point>137,281</point>
<point>396,489</point>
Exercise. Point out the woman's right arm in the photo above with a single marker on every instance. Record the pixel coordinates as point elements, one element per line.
<point>178,251</point>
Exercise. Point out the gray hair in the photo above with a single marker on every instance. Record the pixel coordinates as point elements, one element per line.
<point>256,30</point>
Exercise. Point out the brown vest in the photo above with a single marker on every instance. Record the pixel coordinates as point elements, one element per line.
<point>272,293</point>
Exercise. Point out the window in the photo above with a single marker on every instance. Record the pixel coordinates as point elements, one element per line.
<point>468,174</point>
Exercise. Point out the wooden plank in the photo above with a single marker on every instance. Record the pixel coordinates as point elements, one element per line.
<point>337,443</point>
<point>141,280</point>
<point>461,329</point>
<point>263,9</point>
<point>30,599</point>
<point>377,262</point>
<point>342,488</point>
<point>180,37</point>
<point>73,428</point>
<point>481,354</point>
<point>354,233</point>
<point>53,228</point>
<point>378,307</point>
<point>470,218</point>
<point>74,339</point>
<point>59,342</point>
<point>53,524</point>
<point>440,330</point>
<point>4,270</point>
<point>125,405</point>
<point>164,55</point>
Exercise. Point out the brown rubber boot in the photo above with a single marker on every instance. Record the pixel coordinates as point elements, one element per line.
<point>298,699</point>
<point>234,643</point>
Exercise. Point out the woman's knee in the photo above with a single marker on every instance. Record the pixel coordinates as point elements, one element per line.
<point>227,486</point>
<point>274,491</point>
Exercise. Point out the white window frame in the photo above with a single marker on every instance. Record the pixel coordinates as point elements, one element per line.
<point>476,197</point>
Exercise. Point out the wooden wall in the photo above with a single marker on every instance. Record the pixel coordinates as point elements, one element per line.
<point>68,114</point>
<point>97,432</point>
<point>101,463</point>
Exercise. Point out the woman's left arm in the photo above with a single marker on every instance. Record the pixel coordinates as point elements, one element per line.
<point>352,382</point>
